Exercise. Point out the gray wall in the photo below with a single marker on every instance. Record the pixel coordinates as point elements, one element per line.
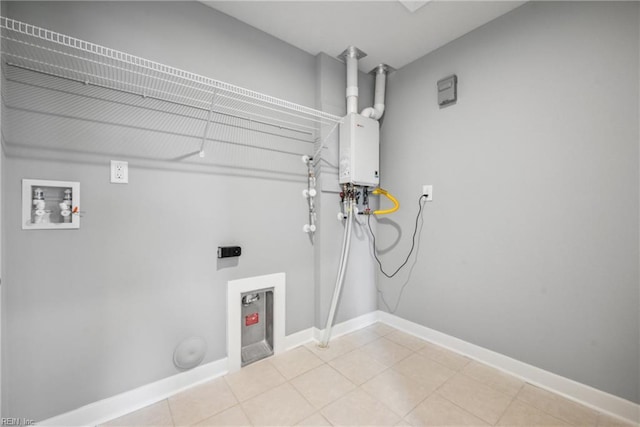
<point>515,255</point>
<point>93,312</point>
<point>530,247</point>
<point>1,247</point>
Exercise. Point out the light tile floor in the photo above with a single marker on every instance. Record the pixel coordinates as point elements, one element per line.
<point>374,376</point>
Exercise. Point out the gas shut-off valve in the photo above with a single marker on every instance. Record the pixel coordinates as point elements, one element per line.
<point>309,193</point>
<point>360,198</point>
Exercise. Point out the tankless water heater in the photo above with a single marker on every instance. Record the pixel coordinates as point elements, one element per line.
<point>359,151</point>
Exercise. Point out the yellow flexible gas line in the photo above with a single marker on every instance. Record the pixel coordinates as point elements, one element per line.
<point>396,204</point>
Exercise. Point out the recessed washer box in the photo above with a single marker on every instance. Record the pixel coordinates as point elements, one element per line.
<point>48,204</point>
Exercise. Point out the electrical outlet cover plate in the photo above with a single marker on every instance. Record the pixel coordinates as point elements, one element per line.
<point>427,190</point>
<point>119,172</point>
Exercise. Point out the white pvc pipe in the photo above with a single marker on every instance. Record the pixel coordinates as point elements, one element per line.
<point>381,85</point>
<point>344,257</point>
<point>377,110</point>
<point>352,83</point>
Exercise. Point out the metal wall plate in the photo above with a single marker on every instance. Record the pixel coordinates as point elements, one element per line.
<point>448,91</point>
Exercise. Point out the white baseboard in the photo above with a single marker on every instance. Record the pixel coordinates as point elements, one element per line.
<point>349,325</point>
<point>581,393</point>
<point>298,338</point>
<point>116,406</point>
<point>130,401</point>
<point>314,334</point>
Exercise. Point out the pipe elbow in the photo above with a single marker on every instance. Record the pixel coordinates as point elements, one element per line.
<point>374,112</point>
<point>379,111</point>
<point>368,112</point>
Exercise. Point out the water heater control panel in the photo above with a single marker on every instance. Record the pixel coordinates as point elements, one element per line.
<point>359,151</point>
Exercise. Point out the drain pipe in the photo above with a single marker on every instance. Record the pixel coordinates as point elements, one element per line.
<point>344,258</point>
<point>377,110</point>
<point>351,55</point>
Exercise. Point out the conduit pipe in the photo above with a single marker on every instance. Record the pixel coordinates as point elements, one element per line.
<point>344,258</point>
<point>351,56</point>
<point>396,204</point>
<point>352,84</point>
<point>377,110</point>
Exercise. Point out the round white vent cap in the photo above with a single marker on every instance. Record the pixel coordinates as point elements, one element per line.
<point>189,353</point>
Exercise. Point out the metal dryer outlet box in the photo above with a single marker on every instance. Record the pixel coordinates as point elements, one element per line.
<point>257,325</point>
<point>359,151</point>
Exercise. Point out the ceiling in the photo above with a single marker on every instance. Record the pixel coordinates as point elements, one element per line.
<point>386,30</point>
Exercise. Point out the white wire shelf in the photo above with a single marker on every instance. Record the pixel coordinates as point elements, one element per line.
<point>36,49</point>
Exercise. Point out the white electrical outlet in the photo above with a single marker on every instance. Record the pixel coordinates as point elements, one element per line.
<point>427,190</point>
<point>119,172</point>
